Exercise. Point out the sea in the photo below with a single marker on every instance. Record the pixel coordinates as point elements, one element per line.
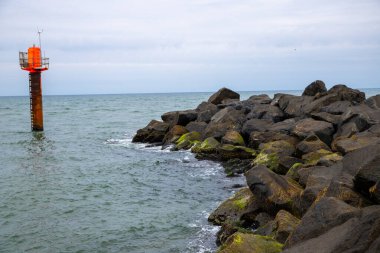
<point>83,186</point>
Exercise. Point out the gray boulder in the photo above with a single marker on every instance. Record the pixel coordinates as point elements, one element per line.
<point>314,88</point>
<point>223,94</point>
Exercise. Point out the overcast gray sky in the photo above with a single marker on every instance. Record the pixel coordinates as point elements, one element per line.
<point>125,46</point>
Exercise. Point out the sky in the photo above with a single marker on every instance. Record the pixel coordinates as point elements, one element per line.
<point>130,46</point>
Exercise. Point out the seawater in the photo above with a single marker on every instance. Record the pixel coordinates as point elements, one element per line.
<point>83,186</point>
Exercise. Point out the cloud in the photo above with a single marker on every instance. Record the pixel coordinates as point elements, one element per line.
<point>202,37</point>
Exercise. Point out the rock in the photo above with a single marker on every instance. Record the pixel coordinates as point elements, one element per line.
<point>285,126</point>
<point>268,112</point>
<point>222,94</point>
<point>293,171</point>
<point>205,111</point>
<point>196,126</point>
<point>280,147</point>
<point>262,218</point>
<point>324,215</point>
<point>368,176</point>
<point>234,138</point>
<point>258,99</point>
<point>223,121</point>
<point>375,130</point>
<point>322,129</point>
<point>325,116</point>
<point>329,159</point>
<point>317,179</point>
<point>346,145</point>
<point>314,88</point>
<point>310,144</point>
<point>336,108</point>
<point>154,132</point>
<point>348,94</point>
<point>174,134</point>
<point>374,192</point>
<point>232,210</point>
<point>236,166</point>
<point>293,105</point>
<point>275,192</point>
<point>342,187</point>
<point>272,152</point>
<point>225,231</point>
<point>187,140</point>
<point>373,102</point>
<point>228,151</point>
<point>314,157</point>
<point>285,163</point>
<point>179,117</point>
<point>250,243</point>
<point>257,138</point>
<point>285,225</point>
<point>251,125</point>
<point>360,233</point>
<point>207,149</point>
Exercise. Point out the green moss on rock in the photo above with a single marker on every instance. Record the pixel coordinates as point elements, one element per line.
<point>228,151</point>
<point>270,160</point>
<point>208,146</point>
<point>188,140</point>
<point>313,157</point>
<point>293,171</point>
<point>234,138</point>
<point>250,243</point>
<point>231,210</point>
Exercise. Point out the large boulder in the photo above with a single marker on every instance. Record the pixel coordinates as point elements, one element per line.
<point>269,112</point>
<point>154,132</point>
<point>205,111</point>
<point>228,151</point>
<point>276,192</point>
<point>285,126</point>
<point>260,125</point>
<point>373,102</point>
<point>328,117</point>
<point>232,210</point>
<point>285,225</point>
<point>208,146</point>
<point>250,243</point>
<point>348,94</point>
<point>336,108</point>
<point>272,152</point>
<point>187,141</point>
<point>174,134</point>
<point>223,94</point>
<point>346,145</point>
<point>310,144</point>
<point>179,117</point>
<point>317,179</point>
<point>321,217</point>
<point>322,129</point>
<point>256,138</point>
<point>196,126</point>
<point>234,138</point>
<point>292,105</point>
<point>223,121</point>
<point>368,176</point>
<point>314,88</point>
<point>360,232</point>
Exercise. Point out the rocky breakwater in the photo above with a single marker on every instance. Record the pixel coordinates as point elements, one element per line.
<point>311,162</point>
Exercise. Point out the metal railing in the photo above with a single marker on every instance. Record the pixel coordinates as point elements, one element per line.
<point>24,64</point>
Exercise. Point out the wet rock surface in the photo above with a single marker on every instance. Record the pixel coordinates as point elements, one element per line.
<point>311,163</point>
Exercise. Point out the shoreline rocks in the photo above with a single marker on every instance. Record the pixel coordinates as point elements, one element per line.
<point>311,163</point>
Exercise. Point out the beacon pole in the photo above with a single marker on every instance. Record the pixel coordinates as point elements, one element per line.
<point>33,62</point>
